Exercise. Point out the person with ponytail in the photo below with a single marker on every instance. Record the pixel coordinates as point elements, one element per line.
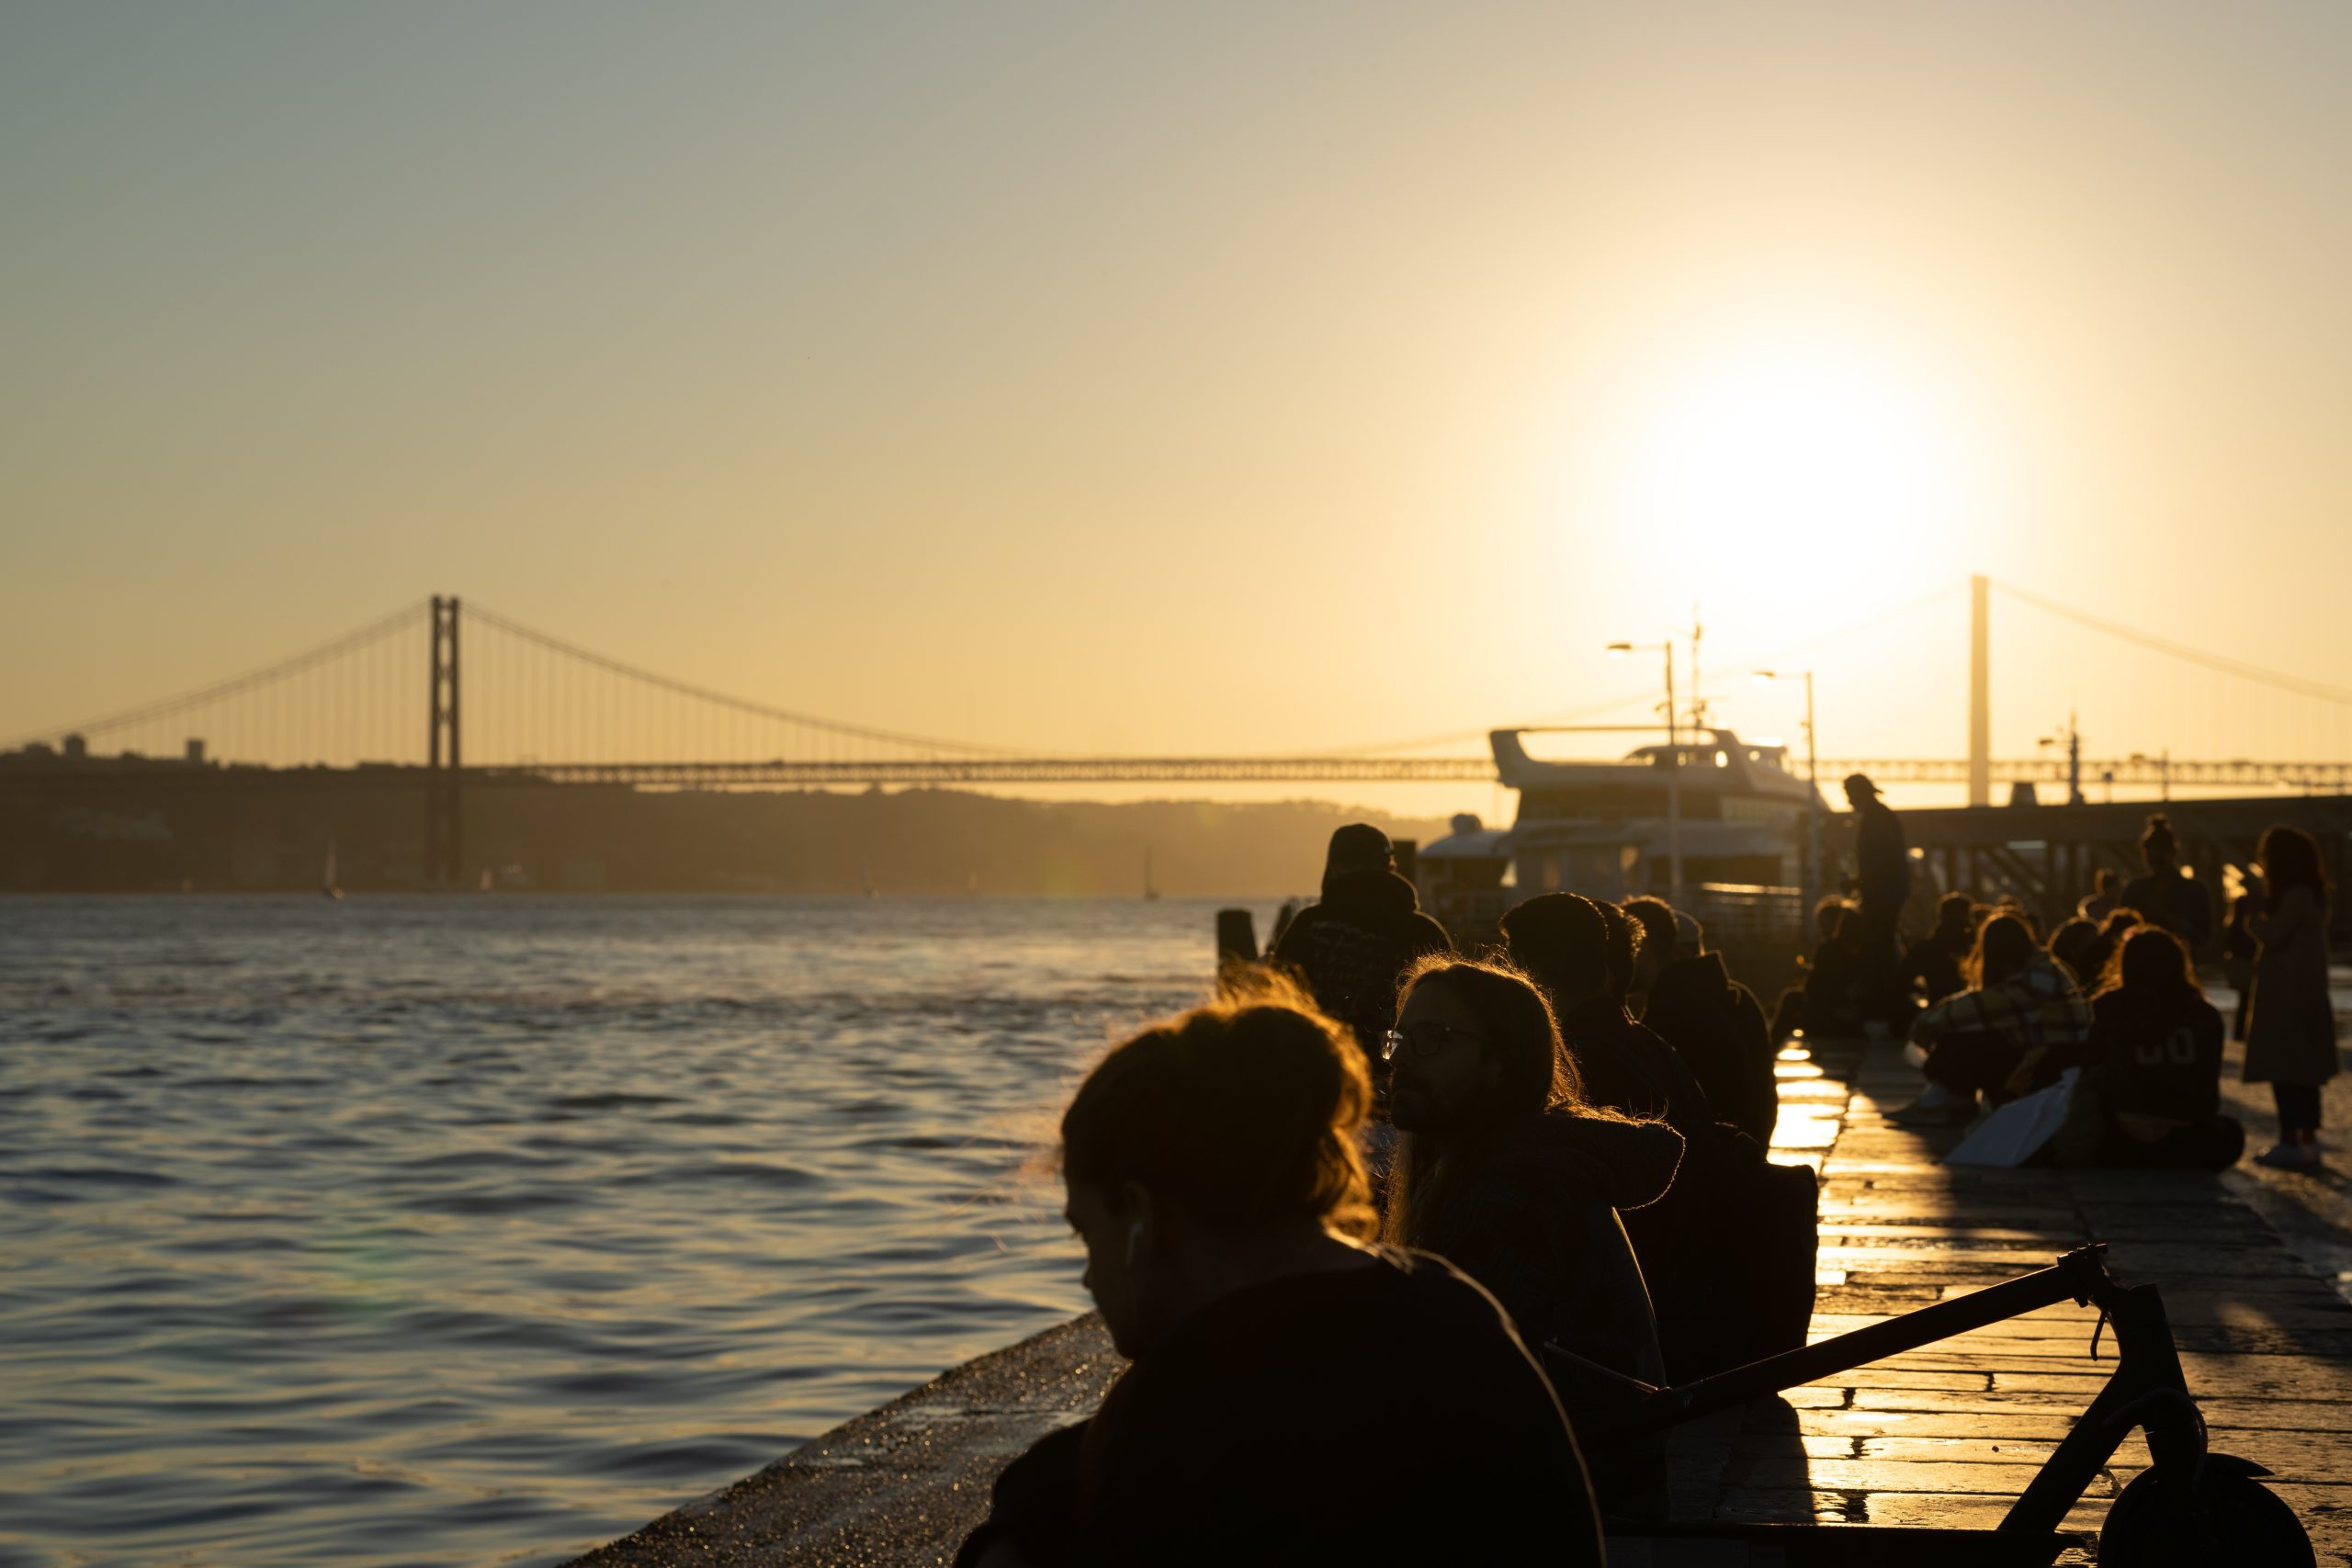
<point>1298,1393</point>
<point>2163,896</point>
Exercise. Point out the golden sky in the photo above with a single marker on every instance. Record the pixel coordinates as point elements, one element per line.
<point>1193,378</point>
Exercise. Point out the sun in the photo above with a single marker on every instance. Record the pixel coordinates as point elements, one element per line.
<point>1798,472</point>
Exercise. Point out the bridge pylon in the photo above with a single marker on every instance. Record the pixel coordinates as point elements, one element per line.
<point>444,854</point>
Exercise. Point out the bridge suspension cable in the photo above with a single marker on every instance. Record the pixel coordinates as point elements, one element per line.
<point>2297,684</point>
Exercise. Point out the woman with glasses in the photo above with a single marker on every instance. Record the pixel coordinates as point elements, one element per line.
<point>1298,1394</point>
<point>1507,1173</point>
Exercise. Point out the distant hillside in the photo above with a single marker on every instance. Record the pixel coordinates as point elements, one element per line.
<point>589,837</point>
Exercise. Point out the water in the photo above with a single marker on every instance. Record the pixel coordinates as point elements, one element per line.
<point>483,1230</point>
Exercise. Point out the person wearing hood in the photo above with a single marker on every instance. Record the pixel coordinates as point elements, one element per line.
<point>1352,947</point>
<point>1582,955</point>
<point>2025,1021</point>
<point>1509,1172</point>
<point>1713,1022</point>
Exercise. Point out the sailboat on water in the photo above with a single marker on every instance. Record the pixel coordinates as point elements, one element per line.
<point>1151,892</point>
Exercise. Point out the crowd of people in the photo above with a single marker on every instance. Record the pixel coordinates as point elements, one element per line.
<point>1394,1235</point>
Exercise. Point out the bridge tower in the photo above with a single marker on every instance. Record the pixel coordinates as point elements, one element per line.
<point>445,855</point>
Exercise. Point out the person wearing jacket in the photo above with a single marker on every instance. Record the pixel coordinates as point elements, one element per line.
<point>1883,881</point>
<point>2291,1029</point>
<point>2024,1019</point>
<point>2152,1064</point>
<point>1507,1171</point>
<point>1935,961</point>
<point>2163,896</point>
<point>1351,948</point>
<point>1715,1024</point>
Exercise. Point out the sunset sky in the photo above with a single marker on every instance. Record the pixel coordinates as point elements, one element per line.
<point>1194,379</point>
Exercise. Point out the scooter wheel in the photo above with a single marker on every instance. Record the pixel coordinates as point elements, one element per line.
<point>2233,1519</point>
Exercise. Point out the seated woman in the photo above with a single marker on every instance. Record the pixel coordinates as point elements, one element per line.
<point>1507,1172</point>
<point>2024,1019</point>
<point>1296,1396</point>
<point>2153,1066</point>
<point>1936,963</point>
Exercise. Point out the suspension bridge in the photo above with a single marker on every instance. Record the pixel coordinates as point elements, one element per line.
<point>447,696</point>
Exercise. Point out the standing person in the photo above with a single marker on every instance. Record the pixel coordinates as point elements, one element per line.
<point>2095,907</point>
<point>1882,871</point>
<point>1353,948</point>
<point>2163,896</point>
<point>1713,1022</point>
<point>1211,1172</point>
<point>2025,1016</point>
<point>2291,1033</point>
<point>2238,946</point>
<point>1505,1171</point>
<point>2152,1064</point>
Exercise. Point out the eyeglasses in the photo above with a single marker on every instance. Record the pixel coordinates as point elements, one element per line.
<point>1423,1039</point>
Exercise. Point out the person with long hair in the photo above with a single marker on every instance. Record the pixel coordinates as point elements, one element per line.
<point>2022,1018</point>
<point>1505,1170</point>
<point>1298,1394</point>
<point>2152,1064</point>
<point>2290,1027</point>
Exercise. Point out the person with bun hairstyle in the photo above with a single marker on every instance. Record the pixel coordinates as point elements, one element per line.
<point>1505,1171</point>
<point>2290,1027</point>
<point>2163,896</point>
<point>1298,1394</point>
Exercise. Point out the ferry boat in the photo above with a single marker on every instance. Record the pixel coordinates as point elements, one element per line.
<point>1736,813</point>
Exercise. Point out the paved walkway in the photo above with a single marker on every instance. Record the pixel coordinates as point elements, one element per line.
<point>1945,1436</point>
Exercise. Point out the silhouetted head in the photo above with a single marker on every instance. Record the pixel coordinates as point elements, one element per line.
<point>1859,791</point>
<point>2158,844</point>
<point>1359,846</point>
<point>1661,941</point>
<point>2288,857</point>
<point>2076,944</point>
<point>2109,883</point>
<point>1206,1134</point>
<point>1826,914</point>
<point>2003,948</point>
<point>2154,963</point>
<point>1563,942</point>
<point>1476,1046</point>
<point>2118,921</point>
<point>1955,915</point>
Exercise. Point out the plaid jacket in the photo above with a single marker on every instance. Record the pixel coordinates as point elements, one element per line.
<point>2039,1005</point>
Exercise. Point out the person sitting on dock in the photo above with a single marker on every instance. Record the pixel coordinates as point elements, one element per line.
<point>1713,1022</point>
<point>1935,961</point>
<point>2074,945</point>
<point>1297,1394</point>
<point>1351,948</point>
<point>2023,1021</point>
<point>1510,1175</point>
<point>2164,896</point>
<point>2152,1067</point>
<point>1567,944</point>
<point>2098,904</point>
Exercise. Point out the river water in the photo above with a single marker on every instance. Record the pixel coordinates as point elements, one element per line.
<point>483,1230</point>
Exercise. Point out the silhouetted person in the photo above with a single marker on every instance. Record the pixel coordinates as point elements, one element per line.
<point>2097,906</point>
<point>1937,961</point>
<point>2239,947</point>
<point>1713,1022</point>
<point>1351,948</point>
<point>1882,871</point>
<point>1505,1171</point>
<point>2291,1030</point>
<point>1296,1396</point>
<point>2074,945</point>
<point>2100,955</point>
<point>2163,896</point>
<point>2152,1064</point>
<point>1833,980</point>
<point>2024,1014</point>
<point>1567,944</point>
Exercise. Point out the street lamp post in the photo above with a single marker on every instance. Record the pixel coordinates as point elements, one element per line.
<point>1673,768</point>
<point>1813,792</point>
